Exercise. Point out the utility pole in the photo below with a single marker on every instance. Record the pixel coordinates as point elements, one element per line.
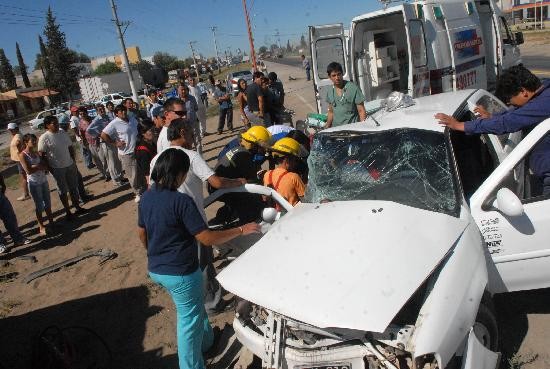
<point>250,38</point>
<point>124,55</point>
<point>214,28</point>
<point>193,54</point>
<point>278,38</point>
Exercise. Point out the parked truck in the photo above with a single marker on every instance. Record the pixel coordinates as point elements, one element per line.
<point>94,88</point>
<point>418,48</point>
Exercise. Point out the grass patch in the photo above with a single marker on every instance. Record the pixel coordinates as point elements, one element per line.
<point>518,361</point>
<point>7,306</point>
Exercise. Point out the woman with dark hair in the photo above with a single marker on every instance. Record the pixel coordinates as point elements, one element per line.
<point>241,97</point>
<point>145,151</point>
<point>169,226</point>
<point>37,181</point>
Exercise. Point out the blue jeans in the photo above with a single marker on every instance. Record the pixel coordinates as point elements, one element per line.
<point>40,193</point>
<point>10,221</point>
<point>308,76</point>
<point>195,334</point>
<point>86,155</point>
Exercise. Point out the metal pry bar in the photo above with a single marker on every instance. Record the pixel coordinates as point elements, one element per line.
<point>105,255</point>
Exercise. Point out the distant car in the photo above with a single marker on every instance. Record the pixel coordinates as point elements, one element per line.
<point>233,78</point>
<point>115,98</point>
<point>38,121</point>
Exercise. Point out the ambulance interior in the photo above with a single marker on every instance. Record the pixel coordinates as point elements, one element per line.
<point>380,55</point>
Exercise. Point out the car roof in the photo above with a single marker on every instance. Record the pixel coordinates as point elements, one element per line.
<point>420,115</point>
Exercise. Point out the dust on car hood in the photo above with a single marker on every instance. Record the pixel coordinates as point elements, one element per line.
<point>350,264</point>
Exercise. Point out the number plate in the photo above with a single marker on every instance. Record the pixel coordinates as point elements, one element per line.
<point>327,366</point>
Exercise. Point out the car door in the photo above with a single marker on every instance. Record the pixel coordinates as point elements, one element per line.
<point>327,44</point>
<point>515,229</point>
<point>502,145</point>
<point>217,221</point>
<point>510,53</point>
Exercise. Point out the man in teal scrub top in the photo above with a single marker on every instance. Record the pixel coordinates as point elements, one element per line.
<point>345,99</point>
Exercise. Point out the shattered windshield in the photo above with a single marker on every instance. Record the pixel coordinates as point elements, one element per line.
<point>407,166</point>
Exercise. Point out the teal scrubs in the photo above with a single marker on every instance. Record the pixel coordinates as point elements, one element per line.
<point>344,107</point>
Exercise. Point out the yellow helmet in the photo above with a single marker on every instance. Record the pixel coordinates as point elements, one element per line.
<point>286,146</point>
<point>257,135</point>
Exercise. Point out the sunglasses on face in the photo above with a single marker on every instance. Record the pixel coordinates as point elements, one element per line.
<point>180,113</point>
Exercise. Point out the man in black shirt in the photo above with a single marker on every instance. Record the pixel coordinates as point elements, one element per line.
<point>276,97</point>
<point>255,99</point>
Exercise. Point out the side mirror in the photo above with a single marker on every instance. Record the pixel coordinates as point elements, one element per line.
<point>269,215</point>
<point>508,203</point>
<point>519,38</point>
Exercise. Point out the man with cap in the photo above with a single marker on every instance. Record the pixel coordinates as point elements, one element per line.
<point>16,146</point>
<point>226,107</point>
<point>98,147</point>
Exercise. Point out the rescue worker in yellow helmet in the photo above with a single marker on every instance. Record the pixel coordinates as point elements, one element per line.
<point>286,177</point>
<point>244,161</point>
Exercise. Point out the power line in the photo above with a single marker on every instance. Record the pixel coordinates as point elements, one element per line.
<point>72,16</point>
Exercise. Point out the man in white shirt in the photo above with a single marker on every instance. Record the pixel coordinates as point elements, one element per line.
<point>122,132</point>
<point>153,102</point>
<point>173,108</point>
<point>180,136</point>
<point>196,92</point>
<point>56,147</point>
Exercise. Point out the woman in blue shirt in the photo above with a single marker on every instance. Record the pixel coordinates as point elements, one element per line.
<point>169,225</point>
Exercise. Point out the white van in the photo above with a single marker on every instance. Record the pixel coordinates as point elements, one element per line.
<point>418,48</point>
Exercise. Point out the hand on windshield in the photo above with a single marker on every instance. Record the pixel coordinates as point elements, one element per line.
<point>448,121</point>
<point>481,112</point>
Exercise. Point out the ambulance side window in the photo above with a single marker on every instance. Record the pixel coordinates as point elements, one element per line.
<point>329,50</point>
<point>418,43</point>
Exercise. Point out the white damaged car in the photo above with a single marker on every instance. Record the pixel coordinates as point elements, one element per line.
<point>407,231</point>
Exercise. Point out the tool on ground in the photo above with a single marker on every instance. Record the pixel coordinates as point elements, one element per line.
<point>104,254</point>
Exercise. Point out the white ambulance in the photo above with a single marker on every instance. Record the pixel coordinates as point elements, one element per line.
<point>418,48</point>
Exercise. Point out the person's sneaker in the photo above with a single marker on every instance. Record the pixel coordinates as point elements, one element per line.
<point>25,241</point>
<point>137,199</point>
<point>107,179</point>
<point>3,248</point>
<point>80,211</point>
<point>124,180</point>
<point>23,197</point>
<point>118,184</point>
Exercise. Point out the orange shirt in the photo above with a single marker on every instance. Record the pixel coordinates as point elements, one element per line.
<point>288,184</point>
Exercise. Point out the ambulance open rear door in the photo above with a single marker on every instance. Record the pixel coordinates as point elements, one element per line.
<point>328,44</point>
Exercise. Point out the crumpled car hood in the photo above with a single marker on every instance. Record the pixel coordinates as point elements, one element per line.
<point>347,264</point>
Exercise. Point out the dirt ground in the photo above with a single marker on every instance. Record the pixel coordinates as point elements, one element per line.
<point>135,317</point>
<point>116,300</point>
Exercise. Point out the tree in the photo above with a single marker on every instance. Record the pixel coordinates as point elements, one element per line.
<point>22,66</point>
<point>288,47</point>
<point>303,43</point>
<point>6,72</point>
<point>164,60</point>
<point>178,64</point>
<point>63,76</point>
<point>79,57</point>
<point>263,49</point>
<point>106,68</point>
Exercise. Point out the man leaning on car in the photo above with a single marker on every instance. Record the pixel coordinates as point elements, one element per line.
<point>530,101</point>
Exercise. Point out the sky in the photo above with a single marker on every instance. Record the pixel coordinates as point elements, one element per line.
<point>168,25</point>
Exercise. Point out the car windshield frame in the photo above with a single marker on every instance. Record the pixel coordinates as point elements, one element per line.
<point>409,166</point>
